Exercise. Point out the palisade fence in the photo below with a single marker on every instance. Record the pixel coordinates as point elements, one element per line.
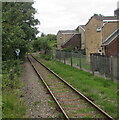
<point>107,66</point>
<point>100,65</point>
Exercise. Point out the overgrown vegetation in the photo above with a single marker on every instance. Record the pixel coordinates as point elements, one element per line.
<point>44,43</point>
<point>46,57</point>
<point>40,44</point>
<point>13,104</point>
<point>68,49</point>
<point>101,91</point>
<point>0,96</point>
<point>18,29</point>
<point>75,50</point>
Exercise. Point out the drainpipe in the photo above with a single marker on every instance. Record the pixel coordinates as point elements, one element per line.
<point>102,36</point>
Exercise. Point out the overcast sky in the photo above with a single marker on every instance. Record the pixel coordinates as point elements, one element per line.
<point>56,15</point>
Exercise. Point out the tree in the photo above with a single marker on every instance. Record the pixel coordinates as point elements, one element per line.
<point>51,37</point>
<point>18,27</point>
<point>41,44</point>
<point>43,35</point>
<point>52,40</point>
<point>46,42</point>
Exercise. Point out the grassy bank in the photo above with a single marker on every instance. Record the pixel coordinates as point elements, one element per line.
<point>0,96</point>
<point>12,102</point>
<point>101,91</point>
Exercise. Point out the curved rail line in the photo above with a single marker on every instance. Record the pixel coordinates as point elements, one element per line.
<point>77,92</point>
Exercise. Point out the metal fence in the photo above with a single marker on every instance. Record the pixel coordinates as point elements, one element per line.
<point>99,65</point>
<point>107,66</point>
<point>71,58</point>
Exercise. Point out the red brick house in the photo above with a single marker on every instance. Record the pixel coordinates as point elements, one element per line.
<point>98,29</point>
<point>81,30</point>
<point>111,44</point>
<point>68,38</point>
<point>73,42</point>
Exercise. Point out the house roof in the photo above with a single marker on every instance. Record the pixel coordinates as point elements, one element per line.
<point>68,31</point>
<point>112,37</point>
<point>109,18</point>
<point>104,18</point>
<point>81,26</point>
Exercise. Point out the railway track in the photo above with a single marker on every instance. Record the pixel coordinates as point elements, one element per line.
<point>71,102</point>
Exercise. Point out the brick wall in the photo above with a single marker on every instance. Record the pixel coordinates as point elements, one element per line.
<point>93,38</point>
<point>61,38</point>
<point>82,32</point>
<point>113,48</point>
<point>75,41</point>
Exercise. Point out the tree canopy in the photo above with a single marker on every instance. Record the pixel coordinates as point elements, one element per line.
<point>41,44</point>
<point>18,27</point>
<point>45,42</point>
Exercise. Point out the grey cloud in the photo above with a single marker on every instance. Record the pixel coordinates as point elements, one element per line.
<point>67,14</point>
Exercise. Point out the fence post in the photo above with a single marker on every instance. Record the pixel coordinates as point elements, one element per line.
<point>71,59</point>
<point>91,58</point>
<point>54,54</point>
<point>96,63</point>
<point>80,64</point>
<point>105,65</point>
<point>60,55</point>
<point>111,67</point>
<point>117,67</point>
<point>51,54</point>
<point>64,58</point>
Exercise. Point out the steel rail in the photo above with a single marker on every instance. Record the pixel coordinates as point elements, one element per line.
<point>79,93</point>
<point>60,107</point>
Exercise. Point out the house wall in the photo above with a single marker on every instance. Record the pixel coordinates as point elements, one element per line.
<point>93,38</point>
<point>61,38</point>
<point>113,48</point>
<point>82,32</point>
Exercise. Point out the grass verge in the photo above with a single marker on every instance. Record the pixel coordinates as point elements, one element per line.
<point>12,104</point>
<point>101,91</point>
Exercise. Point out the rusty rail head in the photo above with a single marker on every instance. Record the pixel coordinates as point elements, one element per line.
<point>79,93</point>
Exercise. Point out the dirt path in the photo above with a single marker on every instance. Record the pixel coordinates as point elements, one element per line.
<point>36,96</point>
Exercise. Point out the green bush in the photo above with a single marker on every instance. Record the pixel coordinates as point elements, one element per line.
<point>69,49</point>
<point>13,105</point>
<point>41,44</point>
<point>46,57</point>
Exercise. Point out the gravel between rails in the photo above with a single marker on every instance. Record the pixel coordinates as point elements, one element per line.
<point>36,96</point>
